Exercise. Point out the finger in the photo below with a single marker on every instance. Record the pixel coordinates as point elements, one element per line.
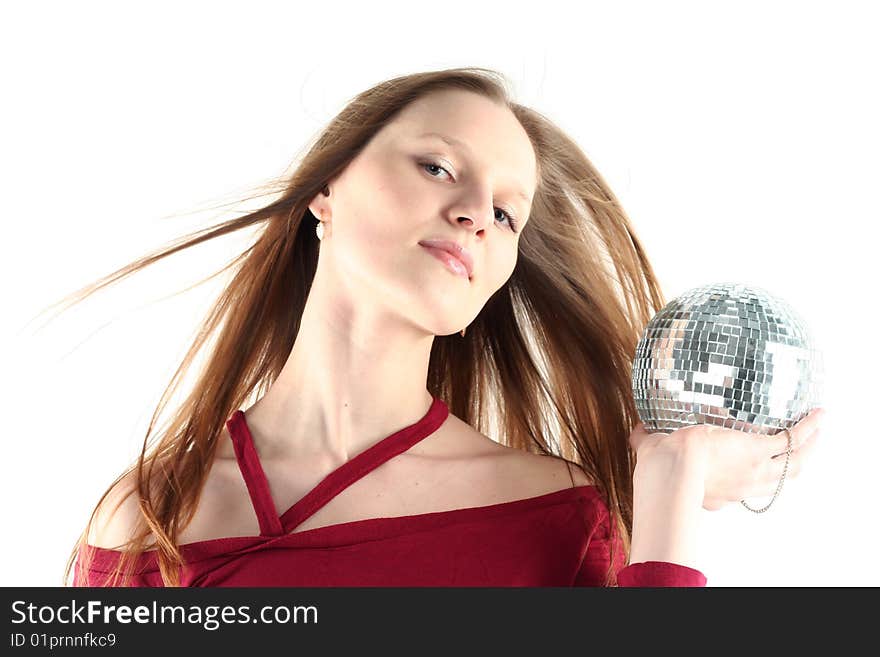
<point>793,441</point>
<point>773,470</point>
<point>640,435</point>
<point>777,444</point>
<point>636,436</point>
<point>803,454</point>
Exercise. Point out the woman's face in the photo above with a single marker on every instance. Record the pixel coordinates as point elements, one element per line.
<point>404,188</point>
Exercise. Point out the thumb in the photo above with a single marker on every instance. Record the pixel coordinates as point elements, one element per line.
<point>637,436</point>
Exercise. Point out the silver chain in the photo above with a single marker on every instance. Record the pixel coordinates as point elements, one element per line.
<point>781,479</point>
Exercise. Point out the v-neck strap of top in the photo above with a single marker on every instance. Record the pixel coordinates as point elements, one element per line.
<point>253,475</point>
<point>258,486</point>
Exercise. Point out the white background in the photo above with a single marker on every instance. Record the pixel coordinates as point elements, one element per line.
<point>742,140</point>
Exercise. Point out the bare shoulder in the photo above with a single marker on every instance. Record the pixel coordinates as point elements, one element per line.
<point>222,506</point>
<point>117,516</point>
<point>548,472</point>
<point>526,474</point>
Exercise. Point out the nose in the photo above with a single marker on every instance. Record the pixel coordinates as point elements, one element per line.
<point>475,218</point>
<point>473,208</point>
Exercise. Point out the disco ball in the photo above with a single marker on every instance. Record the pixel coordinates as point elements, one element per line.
<point>727,355</point>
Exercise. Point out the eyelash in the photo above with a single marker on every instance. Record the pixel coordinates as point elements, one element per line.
<point>510,216</point>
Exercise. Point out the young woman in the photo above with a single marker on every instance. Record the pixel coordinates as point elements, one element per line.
<point>419,375</point>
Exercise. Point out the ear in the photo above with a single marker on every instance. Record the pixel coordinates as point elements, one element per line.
<point>319,206</point>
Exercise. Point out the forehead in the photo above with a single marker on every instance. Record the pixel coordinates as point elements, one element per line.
<point>482,130</point>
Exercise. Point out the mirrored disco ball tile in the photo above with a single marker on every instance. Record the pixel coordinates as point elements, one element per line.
<point>728,355</point>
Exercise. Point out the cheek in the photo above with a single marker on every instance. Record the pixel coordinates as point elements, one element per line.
<point>378,228</point>
<point>401,195</point>
<point>500,265</point>
<point>375,212</point>
<point>389,204</point>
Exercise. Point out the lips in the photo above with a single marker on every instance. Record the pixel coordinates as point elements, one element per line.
<point>454,249</point>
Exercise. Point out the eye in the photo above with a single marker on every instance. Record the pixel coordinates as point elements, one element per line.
<point>511,219</point>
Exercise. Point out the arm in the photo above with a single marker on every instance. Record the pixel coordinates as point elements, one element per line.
<point>659,549</point>
<point>668,494</point>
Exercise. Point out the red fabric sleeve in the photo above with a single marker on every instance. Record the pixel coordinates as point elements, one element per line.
<point>659,573</point>
<point>100,574</point>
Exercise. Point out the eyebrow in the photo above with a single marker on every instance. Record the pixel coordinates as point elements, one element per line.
<point>452,141</point>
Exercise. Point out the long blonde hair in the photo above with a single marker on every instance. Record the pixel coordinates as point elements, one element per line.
<point>547,360</point>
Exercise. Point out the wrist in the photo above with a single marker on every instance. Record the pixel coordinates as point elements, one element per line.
<point>678,454</point>
<point>667,505</point>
